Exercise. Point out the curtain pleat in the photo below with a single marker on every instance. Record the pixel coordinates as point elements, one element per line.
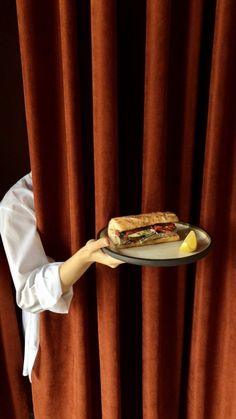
<point>55,183</point>
<point>155,103</point>
<point>42,75</point>
<point>14,389</point>
<point>130,107</point>
<point>169,135</point>
<point>104,91</point>
<point>212,374</point>
<point>73,148</point>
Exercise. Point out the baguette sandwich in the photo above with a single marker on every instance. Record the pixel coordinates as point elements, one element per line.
<point>143,229</point>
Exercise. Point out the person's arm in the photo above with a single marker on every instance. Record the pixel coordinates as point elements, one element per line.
<point>40,283</point>
<point>35,276</point>
<point>73,268</point>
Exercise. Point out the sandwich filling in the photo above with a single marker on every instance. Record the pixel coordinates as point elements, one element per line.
<point>142,234</point>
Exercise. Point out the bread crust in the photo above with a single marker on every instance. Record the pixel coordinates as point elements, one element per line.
<point>131,222</point>
<point>172,238</point>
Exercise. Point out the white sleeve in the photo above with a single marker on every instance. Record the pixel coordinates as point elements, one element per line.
<point>36,278</point>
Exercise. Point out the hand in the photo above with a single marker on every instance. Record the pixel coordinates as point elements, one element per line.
<point>93,252</point>
<point>74,267</point>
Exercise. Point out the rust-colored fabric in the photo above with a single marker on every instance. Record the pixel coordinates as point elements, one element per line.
<point>104,93</point>
<point>14,388</point>
<point>212,376</point>
<point>130,107</point>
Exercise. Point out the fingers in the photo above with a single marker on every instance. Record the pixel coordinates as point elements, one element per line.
<point>107,260</point>
<point>94,245</point>
<point>115,263</point>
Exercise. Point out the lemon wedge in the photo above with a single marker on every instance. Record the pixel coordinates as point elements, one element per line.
<point>190,242</point>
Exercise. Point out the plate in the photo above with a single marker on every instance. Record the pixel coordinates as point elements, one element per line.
<point>163,254</point>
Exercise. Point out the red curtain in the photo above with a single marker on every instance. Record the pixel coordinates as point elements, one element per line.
<point>14,388</point>
<point>130,107</point>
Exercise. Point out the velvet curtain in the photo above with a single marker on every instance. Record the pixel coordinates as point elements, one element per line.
<point>14,388</point>
<point>130,107</point>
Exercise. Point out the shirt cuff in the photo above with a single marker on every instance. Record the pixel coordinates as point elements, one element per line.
<point>49,290</point>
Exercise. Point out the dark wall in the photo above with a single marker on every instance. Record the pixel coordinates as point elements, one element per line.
<point>14,157</point>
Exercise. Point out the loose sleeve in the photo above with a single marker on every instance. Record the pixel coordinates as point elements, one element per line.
<point>35,276</point>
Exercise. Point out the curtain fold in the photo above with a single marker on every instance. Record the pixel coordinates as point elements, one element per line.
<point>54,182</point>
<point>104,95</point>
<point>170,116</point>
<point>15,392</point>
<point>212,375</point>
<point>158,21</point>
<point>130,107</point>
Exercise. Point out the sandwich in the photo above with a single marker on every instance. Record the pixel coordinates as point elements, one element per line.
<point>143,229</point>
